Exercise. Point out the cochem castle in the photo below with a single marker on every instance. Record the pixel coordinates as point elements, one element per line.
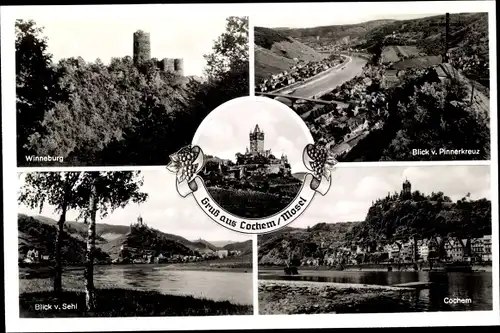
<point>142,53</point>
<point>254,162</point>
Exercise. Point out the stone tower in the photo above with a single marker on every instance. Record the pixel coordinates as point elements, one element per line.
<point>406,187</point>
<point>179,67</point>
<point>257,141</point>
<point>139,221</point>
<point>142,47</point>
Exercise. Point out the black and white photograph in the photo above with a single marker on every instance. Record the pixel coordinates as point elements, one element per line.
<point>385,239</point>
<point>253,150</point>
<point>124,244</point>
<point>381,87</point>
<point>121,86</point>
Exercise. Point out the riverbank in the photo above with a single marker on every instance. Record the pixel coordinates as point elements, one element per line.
<point>215,265</point>
<point>123,303</point>
<point>301,297</point>
<point>371,268</point>
<point>290,89</point>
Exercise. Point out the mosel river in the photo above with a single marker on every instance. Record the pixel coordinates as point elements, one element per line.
<point>476,286</point>
<point>235,287</point>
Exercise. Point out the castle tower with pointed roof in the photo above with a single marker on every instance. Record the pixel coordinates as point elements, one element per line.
<point>256,141</point>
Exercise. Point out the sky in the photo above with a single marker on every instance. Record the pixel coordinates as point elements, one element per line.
<point>72,33</point>
<point>324,19</point>
<point>324,14</point>
<point>351,195</point>
<point>354,188</point>
<point>223,133</point>
<point>164,210</point>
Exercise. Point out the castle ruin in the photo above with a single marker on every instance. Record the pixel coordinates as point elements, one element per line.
<point>142,53</point>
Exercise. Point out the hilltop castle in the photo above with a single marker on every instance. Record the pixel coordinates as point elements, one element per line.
<point>142,53</point>
<point>140,222</point>
<point>406,187</point>
<point>258,160</point>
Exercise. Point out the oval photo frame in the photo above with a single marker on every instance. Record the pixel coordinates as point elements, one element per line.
<point>190,164</point>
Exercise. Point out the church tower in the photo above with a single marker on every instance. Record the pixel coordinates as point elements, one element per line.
<point>406,187</point>
<point>256,141</point>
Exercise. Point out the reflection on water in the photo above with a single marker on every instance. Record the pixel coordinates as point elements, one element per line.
<point>235,287</point>
<point>476,286</point>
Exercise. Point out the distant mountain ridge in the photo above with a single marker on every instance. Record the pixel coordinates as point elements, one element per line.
<point>334,32</point>
<point>110,238</point>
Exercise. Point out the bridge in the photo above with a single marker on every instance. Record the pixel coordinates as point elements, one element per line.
<point>296,98</point>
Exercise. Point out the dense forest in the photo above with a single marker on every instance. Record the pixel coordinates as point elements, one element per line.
<point>92,113</point>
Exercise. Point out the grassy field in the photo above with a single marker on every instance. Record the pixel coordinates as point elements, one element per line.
<point>124,303</point>
<point>389,54</point>
<point>419,62</point>
<point>395,53</point>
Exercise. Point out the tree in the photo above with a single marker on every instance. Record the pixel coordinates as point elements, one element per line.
<point>59,189</point>
<point>230,50</point>
<point>105,191</point>
<point>36,84</point>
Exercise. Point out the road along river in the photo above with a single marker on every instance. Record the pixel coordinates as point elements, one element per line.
<point>328,81</point>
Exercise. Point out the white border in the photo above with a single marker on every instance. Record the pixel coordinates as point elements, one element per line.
<point>15,324</point>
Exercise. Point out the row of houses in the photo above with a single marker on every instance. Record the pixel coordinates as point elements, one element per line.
<point>148,257</point>
<point>33,256</point>
<point>456,250</point>
<point>300,71</point>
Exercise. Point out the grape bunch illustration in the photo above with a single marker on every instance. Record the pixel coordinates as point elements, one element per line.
<point>321,160</point>
<point>182,163</point>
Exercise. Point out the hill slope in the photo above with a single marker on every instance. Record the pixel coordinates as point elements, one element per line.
<point>245,247</point>
<point>335,32</point>
<point>35,234</point>
<point>79,230</point>
<point>275,52</point>
<point>276,248</point>
<point>142,240</point>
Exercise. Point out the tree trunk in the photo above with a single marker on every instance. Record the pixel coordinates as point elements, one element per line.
<point>58,254</point>
<point>89,260</point>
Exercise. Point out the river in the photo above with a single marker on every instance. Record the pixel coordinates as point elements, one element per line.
<point>476,286</point>
<point>329,81</point>
<point>235,287</point>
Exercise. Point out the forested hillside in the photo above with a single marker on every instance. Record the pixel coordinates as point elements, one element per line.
<point>90,113</point>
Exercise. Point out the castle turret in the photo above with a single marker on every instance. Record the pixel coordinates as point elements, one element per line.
<point>142,46</point>
<point>179,67</point>
<point>139,221</point>
<point>407,187</point>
